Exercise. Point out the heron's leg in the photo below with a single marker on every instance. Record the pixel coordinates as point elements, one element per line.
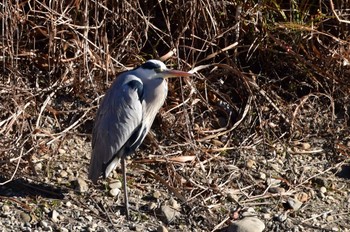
<point>126,200</point>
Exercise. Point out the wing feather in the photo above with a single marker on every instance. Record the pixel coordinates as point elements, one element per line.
<point>118,119</point>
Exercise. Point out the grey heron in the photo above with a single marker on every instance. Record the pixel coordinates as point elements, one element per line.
<point>125,116</point>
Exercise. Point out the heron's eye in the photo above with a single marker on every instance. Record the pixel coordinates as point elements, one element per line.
<point>158,70</point>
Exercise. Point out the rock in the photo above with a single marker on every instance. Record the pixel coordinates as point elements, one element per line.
<point>262,176</point>
<point>249,212</point>
<point>169,214</point>
<point>267,216</point>
<point>294,204</point>
<point>89,218</point>
<point>5,209</point>
<point>323,190</point>
<point>54,216</point>
<point>303,197</point>
<point>174,204</point>
<point>44,225</point>
<point>114,192</point>
<point>61,151</point>
<point>38,166</point>
<point>306,146</point>
<point>82,186</point>
<point>46,210</point>
<point>162,228</point>
<point>152,206</point>
<point>250,163</point>
<point>115,185</point>
<point>156,194</point>
<point>281,217</point>
<point>63,174</point>
<point>25,217</point>
<point>247,224</point>
<point>273,182</point>
<point>69,204</point>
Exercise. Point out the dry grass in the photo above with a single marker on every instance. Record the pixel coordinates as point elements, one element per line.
<point>270,76</point>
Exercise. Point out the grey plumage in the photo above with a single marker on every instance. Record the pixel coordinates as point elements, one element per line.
<point>126,114</point>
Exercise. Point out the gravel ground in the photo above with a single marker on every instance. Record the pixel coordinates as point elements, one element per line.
<point>299,190</point>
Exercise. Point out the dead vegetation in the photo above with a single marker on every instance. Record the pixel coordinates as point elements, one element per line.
<point>271,90</point>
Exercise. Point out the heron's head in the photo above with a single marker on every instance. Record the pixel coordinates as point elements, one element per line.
<point>153,69</point>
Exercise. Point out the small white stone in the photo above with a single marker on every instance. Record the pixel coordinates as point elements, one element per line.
<point>174,204</point>
<point>68,204</point>
<point>248,224</point>
<point>54,216</point>
<point>323,189</point>
<point>44,224</point>
<point>294,203</point>
<point>89,218</point>
<point>262,176</point>
<point>63,174</point>
<point>38,166</point>
<point>114,192</point>
<point>152,206</point>
<point>82,185</point>
<point>115,185</point>
<point>249,212</point>
<point>5,209</point>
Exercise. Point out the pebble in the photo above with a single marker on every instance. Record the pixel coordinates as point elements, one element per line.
<point>115,185</point>
<point>169,213</point>
<point>89,218</point>
<point>302,196</point>
<point>247,224</point>
<point>249,212</point>
<point>262,176</point>
<point>251,163</point>
<point>323,189</point>
<point>61,151</point>
<point>156,194</point>
<point>63,174</point>
<point>46,210</point>
<point>68,204</point>
<point>45,225</point>
<point>306,146</point>
<point>273,182</point>
<point>114,192</point>
<point>54,216</point>
<point>330,218</point>
<point>38,166</point>
<point>267,216</point>
<point>82,186</point>
<point>152,206</point>
<point>294,204</point>
<point>174,204</point>
<point>25,217</point>
<point>5,209</point>
<point>281,217</point>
